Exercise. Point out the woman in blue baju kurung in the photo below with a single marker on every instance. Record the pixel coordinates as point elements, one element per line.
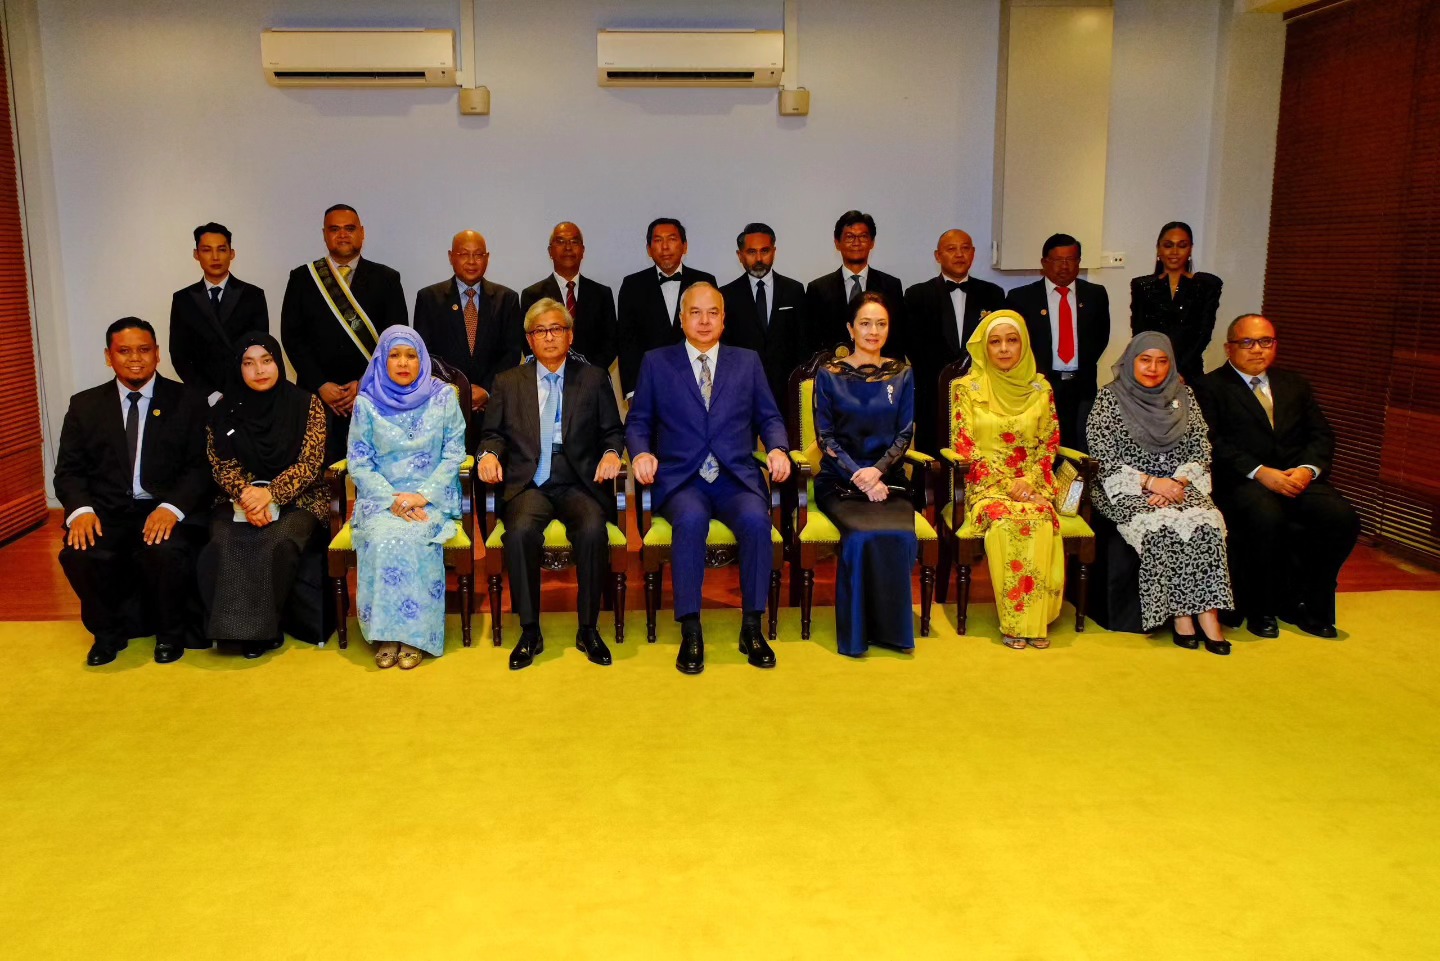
<point>407,441</point>
<point>864,418</point>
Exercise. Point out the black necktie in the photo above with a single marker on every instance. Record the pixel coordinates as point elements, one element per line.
<point>215,299</point>
<point>132,428</point>
<point>951,285</point>
<point>761,307</point>
<point>855,291</point>
<point>672,279</point>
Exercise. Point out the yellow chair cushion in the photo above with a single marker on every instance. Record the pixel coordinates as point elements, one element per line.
<point>555,538</point>
<point>1070,527</point>
<point>661,534</point>
<point>820,529</point>
<point>466,465</point>
<point>345,540</point>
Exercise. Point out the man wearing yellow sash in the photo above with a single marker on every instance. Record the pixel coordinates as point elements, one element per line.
<point>334,312</point>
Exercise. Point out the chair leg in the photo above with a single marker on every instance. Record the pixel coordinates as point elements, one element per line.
<point>1082,597</point>
<point>652,601</point>
<point>927,594</point>
<point>962,602</point>
<point>467,591</point>
<point>495,609</point>
<point>617,585</point>
<point>795,582</point>
<point>947,562</point>
<point>774,601</point>
<point>807,600</point>
<point>342,613</point>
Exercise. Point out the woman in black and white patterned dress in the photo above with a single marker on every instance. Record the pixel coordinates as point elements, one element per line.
<point>1148,434</point>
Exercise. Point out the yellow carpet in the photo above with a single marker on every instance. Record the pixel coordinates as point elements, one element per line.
<point>1113,797</point>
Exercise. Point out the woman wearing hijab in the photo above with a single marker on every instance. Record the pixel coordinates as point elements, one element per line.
<point>1148,434</point>
<point>1177,300</point>
<point>407,440</point>
<point>1006,428</point>
<point>865,415</point>
<point>267,450</point>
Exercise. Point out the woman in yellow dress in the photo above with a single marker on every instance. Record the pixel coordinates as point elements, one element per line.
<point>1007,430</point>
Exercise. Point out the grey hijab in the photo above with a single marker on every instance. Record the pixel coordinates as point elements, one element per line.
<point>1154,416</point>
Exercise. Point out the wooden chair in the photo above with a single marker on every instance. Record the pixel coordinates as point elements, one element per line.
<point>459,550</point>
<point>555,554</point>
<point>965,547</point>
<point>815,537</point>
<point>720,549</point>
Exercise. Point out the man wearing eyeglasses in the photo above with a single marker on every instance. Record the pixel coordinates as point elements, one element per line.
<point>469,322</point>
<point>828,297</point>
<point>591,303</point>
<point>1069,324</point>
<point>551,442</point>
<point>1289,530</point>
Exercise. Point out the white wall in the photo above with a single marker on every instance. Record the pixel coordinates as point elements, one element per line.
<point>148,117</point>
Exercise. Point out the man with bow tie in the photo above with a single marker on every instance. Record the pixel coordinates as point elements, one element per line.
<point>941,313</point>
<point>648,314</point>
<point>1069,324</point>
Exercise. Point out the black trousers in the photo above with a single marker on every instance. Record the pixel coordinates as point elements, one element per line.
<point>526,515</point>
<point>1073,400</point>
<point>1288,550</point>
<point>128,588</point>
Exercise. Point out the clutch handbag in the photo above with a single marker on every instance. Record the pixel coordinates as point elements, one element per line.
<point>1068,488</point>
<point>852,493</point>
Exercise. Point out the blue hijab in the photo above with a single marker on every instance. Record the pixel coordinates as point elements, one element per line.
<point>389,397</point>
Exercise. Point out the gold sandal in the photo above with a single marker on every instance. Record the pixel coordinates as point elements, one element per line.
<point>1014,643</point>
<point>409,657</point>
<point>385,654</point>
<point>1039,643</point>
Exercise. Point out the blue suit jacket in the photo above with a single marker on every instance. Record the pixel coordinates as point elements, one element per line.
<point>668,417</point>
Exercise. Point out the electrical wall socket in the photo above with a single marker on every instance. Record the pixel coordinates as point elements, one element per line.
<point>1112,259</point>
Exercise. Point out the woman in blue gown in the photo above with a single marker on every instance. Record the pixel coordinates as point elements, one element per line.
<point>864,419</point>
<point>407,441</point>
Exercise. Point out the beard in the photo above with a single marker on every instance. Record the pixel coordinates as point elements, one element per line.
<point>759,271</point>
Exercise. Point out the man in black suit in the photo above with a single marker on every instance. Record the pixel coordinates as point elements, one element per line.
<point>1289,530</point>
<point>208,316</point>
<point>940,315</point>
<point>469,322</point>
<point>335,310</point>
<point>591,303</point>
<point>650,299</point>
<point>828,298</point>
<point>777,334</point>
<point>132,477</point>
<point>1069,324</point>
<point>553,437</point>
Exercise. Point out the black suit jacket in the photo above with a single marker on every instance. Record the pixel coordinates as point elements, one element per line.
<point>642,323</point>
<point>934,341</point>
<point>589,419</point>
<point>780,344</point>
<point>440,322</point>
<point>827,308</point>
<point>594,316</point>
<point>1241,434</point>
<point>1092,326</point>
<point>318,349</point>
<point>92,468</point>
<point>201,344</point>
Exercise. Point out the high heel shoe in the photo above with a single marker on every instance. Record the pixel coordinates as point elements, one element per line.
<point>1221,647</point>
<point>1188,641</point>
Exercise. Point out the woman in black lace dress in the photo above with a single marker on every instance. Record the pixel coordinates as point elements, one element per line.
<point>1178,301</point>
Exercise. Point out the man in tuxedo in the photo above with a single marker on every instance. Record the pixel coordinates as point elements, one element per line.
<point>469,322</point>
<point>591,303</point>
<point>764,311</point>
<point>207,317</point>
<point>1289,530</point>
<point>648,314</point>
<point>828,298</point>
<point>553,438</point>
<point>697,410</point>
<point>331,319</point>
<point>1069,324</point>
<point>940,315</point>
<point>133,479</point>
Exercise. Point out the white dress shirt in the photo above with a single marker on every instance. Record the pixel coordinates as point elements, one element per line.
<point>1053,297</point>
<point>846,274</point>
<point>561,282</point>
<point>671,292</point>
<point>957,300</point>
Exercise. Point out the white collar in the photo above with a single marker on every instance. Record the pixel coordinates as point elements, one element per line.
<point>147,391</point>
<point>846,273</point>
<point>209,286</point>
<point>1264,378</point>
<point>561,282</point>
<point>694,353</point>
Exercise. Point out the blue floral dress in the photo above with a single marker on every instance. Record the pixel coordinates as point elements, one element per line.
<point>400,583</point>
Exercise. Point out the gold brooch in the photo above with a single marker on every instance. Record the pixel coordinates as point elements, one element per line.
<point>155,412</point>
<point>1044,313</point>
<point>454,306</point>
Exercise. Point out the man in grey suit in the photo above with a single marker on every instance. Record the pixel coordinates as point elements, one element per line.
<point>592,304</point>
<point>552,438</point>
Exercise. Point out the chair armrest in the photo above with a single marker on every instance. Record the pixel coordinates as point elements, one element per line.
<point>919,457</point>
<point>953,457</point>
<point>799,459</point>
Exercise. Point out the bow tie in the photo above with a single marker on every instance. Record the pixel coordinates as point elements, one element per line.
<point>953,285</point>
<point>672,279</point>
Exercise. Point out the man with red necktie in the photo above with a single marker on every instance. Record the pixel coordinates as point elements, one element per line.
<point>1069,324</point>
<point>591,303</point>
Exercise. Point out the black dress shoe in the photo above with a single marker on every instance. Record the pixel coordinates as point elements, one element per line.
<point>199,645</point>
<point>1188,641</point>
<point>275,644</point>
<point>529,647</point>
<point>691,659</point>
<point>1264,625</point>
<point>587,639</point>
<point>250,650</point>
<point>166,653</point>
<point>1312,626</point>
<point>103,652</point>
<point>754,646</point>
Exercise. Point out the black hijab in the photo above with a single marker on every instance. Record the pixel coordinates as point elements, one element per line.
<point>262,429</point>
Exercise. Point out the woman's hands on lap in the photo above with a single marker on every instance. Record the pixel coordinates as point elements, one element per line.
<point>1020,490</point>
<point>871,482</point>
<point>409,506</point>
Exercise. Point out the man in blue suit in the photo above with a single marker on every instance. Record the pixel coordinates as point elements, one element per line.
<point>700,406</point>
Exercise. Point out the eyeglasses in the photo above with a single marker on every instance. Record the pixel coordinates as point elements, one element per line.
<point>1264,343</point>
<point>855,238</point>
<point>548,332</point>
<point>468,255</point>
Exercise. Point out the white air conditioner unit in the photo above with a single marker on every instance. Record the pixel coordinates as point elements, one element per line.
<point>358,58</point>
<point>709,58</point>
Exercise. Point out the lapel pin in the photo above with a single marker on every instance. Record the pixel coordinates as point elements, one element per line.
<point>1044,313</point>
<point>155,412</point>
<point>454,306</point>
